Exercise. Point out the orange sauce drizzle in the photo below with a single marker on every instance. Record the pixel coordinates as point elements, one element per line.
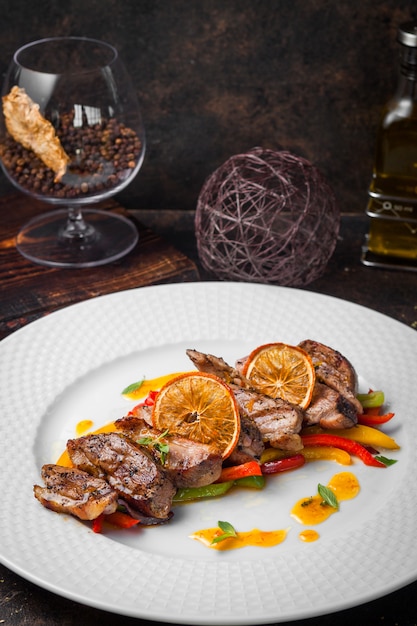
<point>83,427</point>
<point>254,537</point>
<point>64,459</point>
<point>309,535</point>
<point>153,384</point>
<point>310,511</point>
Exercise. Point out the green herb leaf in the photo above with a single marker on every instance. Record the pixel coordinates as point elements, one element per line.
<point>145,441</point>
<point>163,449</point>
<point>133,387</point>
<point>385,461</point>
<point>328,496</point>
<point>156,442</point>
<point>228,531</point>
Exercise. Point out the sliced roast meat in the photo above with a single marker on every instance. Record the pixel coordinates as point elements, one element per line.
<point>128,468</point>
<point>278,421</point>
<point>333,369</point>
<point>70,490</point>
<point>144,412</point>
<point>330,409</point>
<point>250,444</point>
<point>216,365</point>
<point>187,463</point>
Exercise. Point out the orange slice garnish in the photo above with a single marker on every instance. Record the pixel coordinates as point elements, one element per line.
<point>200,407</point>
<point>282,371</point>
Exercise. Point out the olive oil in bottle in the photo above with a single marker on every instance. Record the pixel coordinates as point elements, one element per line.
<point>392,196</point>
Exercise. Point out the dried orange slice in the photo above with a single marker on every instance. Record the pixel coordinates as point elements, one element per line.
<point>282,371</point>
<point>200,407</point>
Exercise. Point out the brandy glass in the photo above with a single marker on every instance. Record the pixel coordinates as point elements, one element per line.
<point>71,134</point>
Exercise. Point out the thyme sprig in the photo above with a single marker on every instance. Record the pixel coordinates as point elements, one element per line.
<point>157,444</point>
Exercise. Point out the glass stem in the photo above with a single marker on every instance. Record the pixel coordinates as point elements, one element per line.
<point>76,227</point>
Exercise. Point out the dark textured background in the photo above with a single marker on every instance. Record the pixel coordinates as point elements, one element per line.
<point>217,77</point>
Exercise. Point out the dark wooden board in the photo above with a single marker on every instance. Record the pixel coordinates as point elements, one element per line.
<point>29,291</point>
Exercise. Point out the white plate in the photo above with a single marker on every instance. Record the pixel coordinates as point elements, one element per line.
<point>73,364</point>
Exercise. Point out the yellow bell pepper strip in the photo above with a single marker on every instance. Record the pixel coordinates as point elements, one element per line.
<point>250,468</point>
<point>366,435</point>
<point>270,454</point>
<point>213,490</point>
<point>283,465</point>
<point>326,453</point>
<point>310,453</point>
<point>351,446</point>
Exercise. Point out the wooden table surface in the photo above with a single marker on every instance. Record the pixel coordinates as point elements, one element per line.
<point>167,253</point>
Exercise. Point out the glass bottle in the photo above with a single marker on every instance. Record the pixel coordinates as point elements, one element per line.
<point>392,195</point>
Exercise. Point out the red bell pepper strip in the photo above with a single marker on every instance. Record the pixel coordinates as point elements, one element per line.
<point>118,518</point>
<point>121,520</point>
<point>373,410</point>
<point>148,401</point>
<point>282,465</point>
<point>98,523</point>
<point>353,447</point>
<point>374,419</point>
<point>250,468</point>
<point>150,398</point>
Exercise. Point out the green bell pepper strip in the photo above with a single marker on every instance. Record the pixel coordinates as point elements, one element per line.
<point>253,482</point>
<point>371,399</point>
<point>186,494</point>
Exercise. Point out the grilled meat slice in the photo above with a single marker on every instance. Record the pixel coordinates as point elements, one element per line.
<point>330,409</point>
<point>128,468</point>
<point>70,490</point>
<point>250,444</point>
<point>187,463</point>
<point>334,370</point>
<point>217,365</point>
<point>278,421</point>
<point>144,412</point>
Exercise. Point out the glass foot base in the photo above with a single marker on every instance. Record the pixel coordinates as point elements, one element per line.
<point>377,260</point>
<point>111,237</point>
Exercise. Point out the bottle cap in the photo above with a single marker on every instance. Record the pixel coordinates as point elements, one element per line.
<point>407,34</point>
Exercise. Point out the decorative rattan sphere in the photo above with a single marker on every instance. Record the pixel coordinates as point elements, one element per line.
<point>267,217</point>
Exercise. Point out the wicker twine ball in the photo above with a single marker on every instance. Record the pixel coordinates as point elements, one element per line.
<point>267,217</point>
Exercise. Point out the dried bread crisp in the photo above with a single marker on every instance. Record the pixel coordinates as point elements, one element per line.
<point>28,127</point>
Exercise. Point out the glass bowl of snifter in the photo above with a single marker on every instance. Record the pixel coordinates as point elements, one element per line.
<point>71,135</point>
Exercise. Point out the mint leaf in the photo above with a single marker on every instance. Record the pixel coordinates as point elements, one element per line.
<point>385,461</point>
<point>328,496</point>
<point>228,531</point>
<point>133,387</point>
